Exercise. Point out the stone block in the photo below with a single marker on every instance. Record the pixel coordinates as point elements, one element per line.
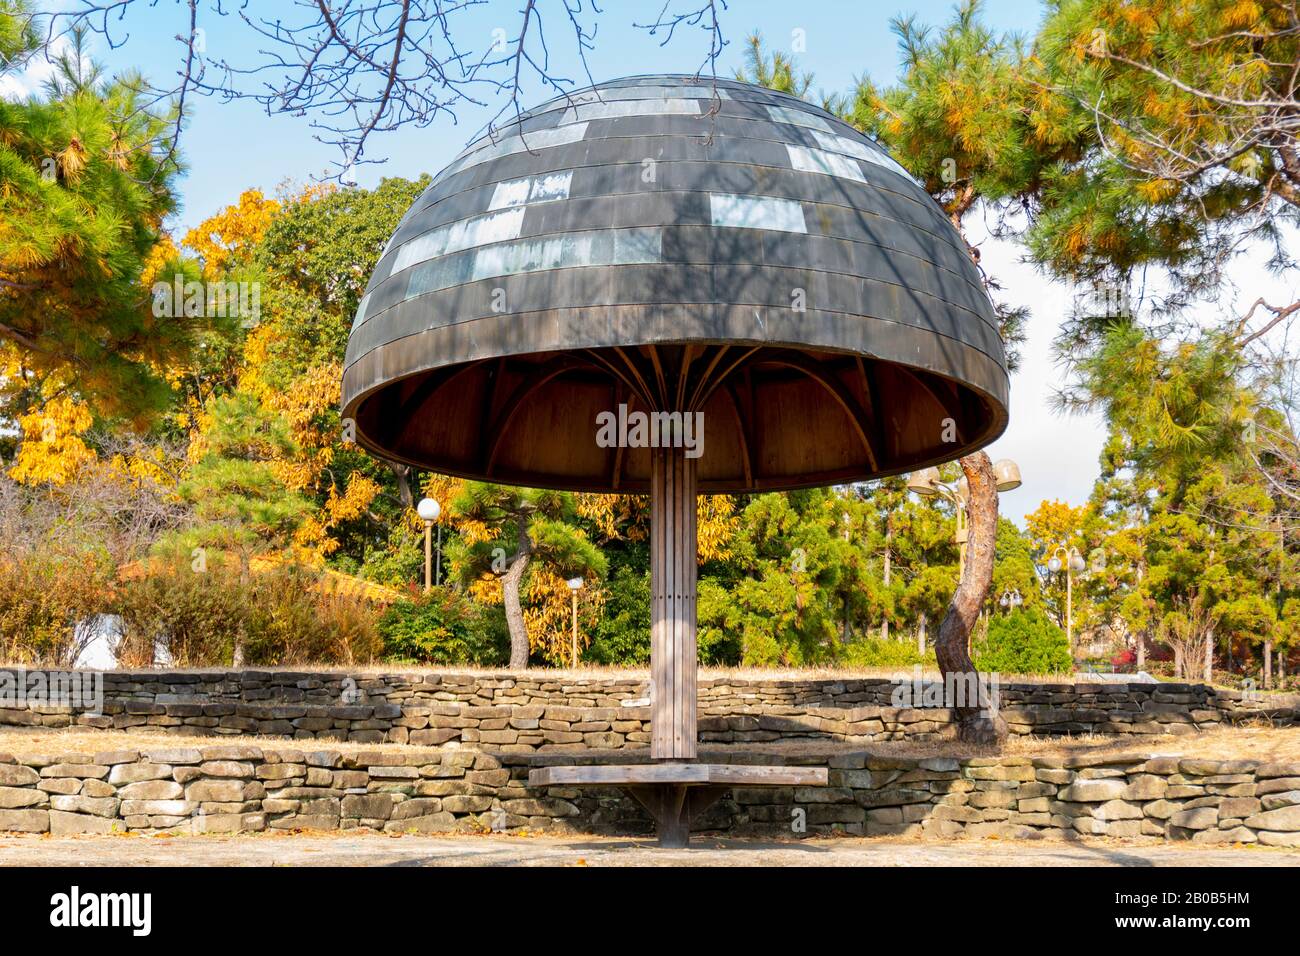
<point>25,821</point>
<point>1275,801</point>
<point>1094,791</point>
<point>466,804</point>
<point>229,823</point>
<point>15,798</point>
<point>94,806</point>
<point>1145,787</point>
<point>65,823</point>
<point>12,775</point>
<point>372,806</point>
<point>1283,819</point>
<point>1234,835</point>
<point>226,768</point>
<point>428,823</point>
<point>82,770</point>
<point>1117,810</point>
<point>1272,838</point>
<point>303,821</point>
<point>1202,818</point>
<point>1238,807</point>
<point>171,808</point>
<point>228,791</point>
<point>128,773</point>
<point>152,790</point>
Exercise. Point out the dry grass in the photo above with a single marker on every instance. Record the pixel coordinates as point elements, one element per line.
<point>1258,742</point>
<point>619,672</point>
<point>22,740</point>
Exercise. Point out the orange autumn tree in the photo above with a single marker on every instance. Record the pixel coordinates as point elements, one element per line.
<point>628,517</point>
<point>227,239</point>
<point>483,558</point>
<point>313,259</point>
<point>302,391</point>
<point>1056,524</point>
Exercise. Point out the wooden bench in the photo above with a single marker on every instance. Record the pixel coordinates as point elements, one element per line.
<point>675,793</point>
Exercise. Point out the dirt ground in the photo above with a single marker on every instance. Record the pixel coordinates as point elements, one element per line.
<point>359,849</point>
<point>1262,743</point>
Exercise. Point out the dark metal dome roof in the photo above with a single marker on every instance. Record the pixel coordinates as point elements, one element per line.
<point>666,242</point>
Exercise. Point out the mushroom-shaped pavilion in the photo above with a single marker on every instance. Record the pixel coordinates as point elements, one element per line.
<point>702,251</point>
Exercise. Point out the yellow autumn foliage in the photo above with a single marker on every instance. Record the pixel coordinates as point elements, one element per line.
<point>51,450</point>
<point>549,614</point>
<point>221,238</point>
<point>1054,523</point>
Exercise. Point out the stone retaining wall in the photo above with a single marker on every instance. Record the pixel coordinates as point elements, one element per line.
<point>514,712</point>
<point>226,789</point>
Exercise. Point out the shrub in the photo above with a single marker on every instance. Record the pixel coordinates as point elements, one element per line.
<point>295,620</point>
<point>283,613</point>
<point>443,627</point>
<point>43,599</point>
<point>1124,659</point>
<point>874,652</point>
<point>194,616</point>
<point>1023,642</point>
<point>622,635</point>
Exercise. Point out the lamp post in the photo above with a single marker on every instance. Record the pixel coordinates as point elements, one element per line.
<point>575,585</point>
<point>428,509</point>
<point>1011,600</point>
<point>1073,562</point>
<point>926,482</point>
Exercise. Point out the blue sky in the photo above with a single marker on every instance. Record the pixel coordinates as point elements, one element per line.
<point>231,147</point>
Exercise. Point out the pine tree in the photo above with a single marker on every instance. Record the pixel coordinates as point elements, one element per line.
<point>507,531</point>
<point>239,502</point>
<point>86,178</point>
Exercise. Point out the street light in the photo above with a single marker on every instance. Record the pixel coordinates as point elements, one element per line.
<point>1007,474</point>
<point>927,483</point>
<point>1073,562</point>
<point>428,509</point>
<point>1011,599</point>
<point>575,585</point>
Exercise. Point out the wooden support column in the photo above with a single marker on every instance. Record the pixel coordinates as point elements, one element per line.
<point>672,604</point>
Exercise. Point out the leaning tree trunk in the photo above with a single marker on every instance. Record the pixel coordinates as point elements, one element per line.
<point>245,577</point>
<point>977,721</point>
<point>510,585</point>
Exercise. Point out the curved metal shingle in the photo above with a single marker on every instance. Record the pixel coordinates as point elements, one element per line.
<point>669,242</point>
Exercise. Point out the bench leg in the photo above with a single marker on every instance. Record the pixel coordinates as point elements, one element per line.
<point>673,807</point>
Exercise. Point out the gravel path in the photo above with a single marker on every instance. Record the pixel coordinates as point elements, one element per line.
<point>412,850</point>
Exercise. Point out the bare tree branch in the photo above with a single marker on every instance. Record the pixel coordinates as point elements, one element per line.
<point>358,68</point>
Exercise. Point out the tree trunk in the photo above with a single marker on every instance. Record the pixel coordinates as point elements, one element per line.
<point>1141,662</point>
<point>1209,656</point>
<point>510,584</point>
<point>977,720</point>
<point>403,475</point>
<point>245,575</point>
<point>889,542</point>
<point>920,635</point>
<point>1268,663</point>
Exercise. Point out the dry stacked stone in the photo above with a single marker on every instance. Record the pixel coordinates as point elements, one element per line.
<point>525,713</point>
<point>230,789</point>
